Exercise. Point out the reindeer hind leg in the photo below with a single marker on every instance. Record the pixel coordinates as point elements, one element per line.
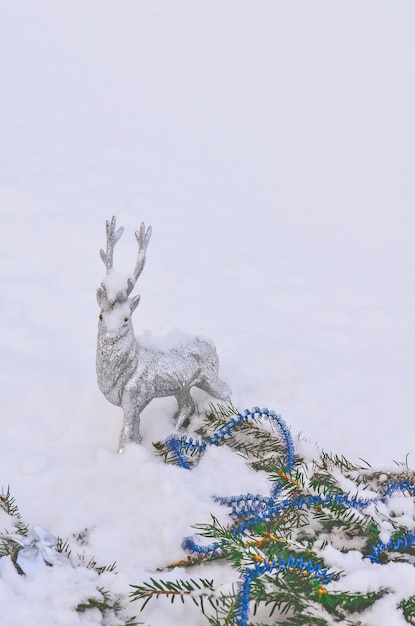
<point>186,409</point>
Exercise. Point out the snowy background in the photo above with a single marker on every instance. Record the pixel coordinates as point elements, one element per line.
<point>271,146</point>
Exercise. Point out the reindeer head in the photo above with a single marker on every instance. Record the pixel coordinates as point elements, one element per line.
<point>116,307</point>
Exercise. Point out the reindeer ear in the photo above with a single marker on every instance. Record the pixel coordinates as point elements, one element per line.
<point>134,303</point>
<point>102,298</point>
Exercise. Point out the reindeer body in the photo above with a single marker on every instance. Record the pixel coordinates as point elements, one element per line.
<point>130,374</point>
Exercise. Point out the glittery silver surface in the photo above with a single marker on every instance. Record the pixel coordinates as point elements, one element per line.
<point>130,374</point>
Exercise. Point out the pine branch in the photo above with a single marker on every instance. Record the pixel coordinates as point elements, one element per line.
<point>8,505</point>
<point>198,591</point>
<point>276,542</point>
<point>108,606</point>
<point>408,609</point>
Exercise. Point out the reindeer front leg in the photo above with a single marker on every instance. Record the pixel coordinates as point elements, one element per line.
<point>132,407</point>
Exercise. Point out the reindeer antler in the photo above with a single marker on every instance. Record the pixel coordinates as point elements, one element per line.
<point>112,238</point>
<point>143,237</point>
<point>108,258</point>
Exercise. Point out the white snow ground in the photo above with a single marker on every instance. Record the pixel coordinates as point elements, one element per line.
<point>271,147</point>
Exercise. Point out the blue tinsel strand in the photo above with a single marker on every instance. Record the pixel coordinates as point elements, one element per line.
<point>277,508</point>
<point>277,421</point>
<point>402,485</point>
<point>393,544</point>
<point>173,444</point>
<point>204,551</point>
<point>245,582</point>
<point>176,444</point>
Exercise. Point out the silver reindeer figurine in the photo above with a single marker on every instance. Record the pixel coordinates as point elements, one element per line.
<point>130,375</point>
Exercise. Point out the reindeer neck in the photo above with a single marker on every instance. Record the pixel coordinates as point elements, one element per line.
<point>117,360</point>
